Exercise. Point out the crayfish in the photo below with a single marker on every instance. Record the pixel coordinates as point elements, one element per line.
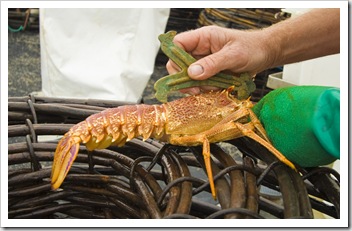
<point>194,120</point>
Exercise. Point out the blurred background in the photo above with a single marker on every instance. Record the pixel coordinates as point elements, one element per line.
<point>25,61</point>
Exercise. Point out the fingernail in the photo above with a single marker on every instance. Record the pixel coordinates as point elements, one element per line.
<point>195,70</point>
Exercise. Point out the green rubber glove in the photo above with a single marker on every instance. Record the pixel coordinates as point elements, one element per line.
<point>303,123</point>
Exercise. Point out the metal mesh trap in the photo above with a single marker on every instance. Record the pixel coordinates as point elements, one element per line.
<point>150,179</point>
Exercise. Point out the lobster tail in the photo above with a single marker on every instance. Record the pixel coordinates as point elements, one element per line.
<point>114,126</point>
<point>65,153</point>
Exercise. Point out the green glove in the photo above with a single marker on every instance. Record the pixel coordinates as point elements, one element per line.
<point>303,123</point>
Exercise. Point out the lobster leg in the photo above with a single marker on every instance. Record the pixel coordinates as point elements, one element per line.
<point>195,140</point>
<point>228,129</point>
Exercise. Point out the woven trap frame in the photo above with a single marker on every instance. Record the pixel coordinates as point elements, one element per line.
<point>151,179</point>
<point>23,19</point>
<point>241,18</point>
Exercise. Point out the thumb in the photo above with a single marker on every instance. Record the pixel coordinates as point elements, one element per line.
<point>209,65</point>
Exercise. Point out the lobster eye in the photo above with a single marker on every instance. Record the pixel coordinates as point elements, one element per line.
<point>234,93</point>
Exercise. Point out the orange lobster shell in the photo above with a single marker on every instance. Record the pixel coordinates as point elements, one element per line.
<point>195,120</point>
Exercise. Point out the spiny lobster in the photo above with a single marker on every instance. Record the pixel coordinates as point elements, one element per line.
<point>195,120</point>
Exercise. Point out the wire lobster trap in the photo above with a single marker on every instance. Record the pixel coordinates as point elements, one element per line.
<point>150,179</point>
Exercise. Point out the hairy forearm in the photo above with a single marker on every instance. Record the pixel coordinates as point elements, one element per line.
<point>313,34</point>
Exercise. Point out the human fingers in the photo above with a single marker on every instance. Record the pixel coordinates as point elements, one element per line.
<point>218,49</point>
<point>198,90</point>
<point>172,67</point>
<point>191,90</point>
<point>211,65</point>
<point>213,46</point>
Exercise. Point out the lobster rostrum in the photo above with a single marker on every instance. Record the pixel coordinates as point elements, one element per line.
<point>195,120</point>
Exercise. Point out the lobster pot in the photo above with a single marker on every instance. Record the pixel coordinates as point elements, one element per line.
<point>151,179</point>
<point>241,18</point>
<point>20,19</point>
<point>183,19</point>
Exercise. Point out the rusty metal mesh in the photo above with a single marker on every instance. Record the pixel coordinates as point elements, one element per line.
<point>150,179</point>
